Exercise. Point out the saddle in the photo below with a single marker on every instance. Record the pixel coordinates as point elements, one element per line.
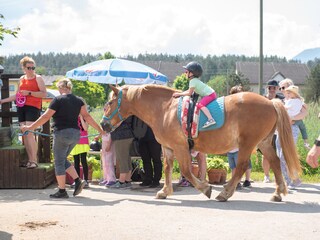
<point>198,119</point>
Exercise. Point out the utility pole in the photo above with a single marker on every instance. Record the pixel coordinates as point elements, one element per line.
<point>261,49</point>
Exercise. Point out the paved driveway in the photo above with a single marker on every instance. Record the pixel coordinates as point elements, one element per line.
<point>99,213</point>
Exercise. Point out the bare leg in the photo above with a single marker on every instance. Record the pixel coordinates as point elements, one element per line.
<point>206,112</point>
<point>30,144</point>
<point>266,167</point>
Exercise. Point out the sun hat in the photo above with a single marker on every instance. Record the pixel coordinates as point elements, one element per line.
<point>294,89</point>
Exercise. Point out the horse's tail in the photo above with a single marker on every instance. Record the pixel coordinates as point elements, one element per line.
<point>286,140</point>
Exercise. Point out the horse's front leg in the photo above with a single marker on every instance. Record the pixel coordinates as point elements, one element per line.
<point>168,166</point>
<point>184,159</point>
<point>242,166</point>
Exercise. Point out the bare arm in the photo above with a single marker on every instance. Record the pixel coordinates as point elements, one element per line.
<point>84,124</point>
<point>90,120</point>
<point>40,121</point>
<point>313,156</point>
<point>185,93</point>
<point>303,113</point>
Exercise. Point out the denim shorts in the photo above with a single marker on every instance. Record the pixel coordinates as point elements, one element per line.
<point>63,142</point>
<point>233,160</point>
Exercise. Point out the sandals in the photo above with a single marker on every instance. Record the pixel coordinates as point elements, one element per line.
<point>24,165</point>
<point>32,165</point>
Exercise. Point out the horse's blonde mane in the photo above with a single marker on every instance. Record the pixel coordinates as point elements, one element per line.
<point>135,92</point>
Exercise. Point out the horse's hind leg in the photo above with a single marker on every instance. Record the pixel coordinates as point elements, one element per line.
<point>168,166</point>
<point>269,152</point>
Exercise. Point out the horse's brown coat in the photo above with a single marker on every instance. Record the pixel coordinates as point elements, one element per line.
<point>250,121</point>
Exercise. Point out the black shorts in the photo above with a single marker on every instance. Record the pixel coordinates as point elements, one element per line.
<point>28,113</point>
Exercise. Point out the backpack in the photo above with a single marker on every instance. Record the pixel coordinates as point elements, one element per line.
<point>139,128</point>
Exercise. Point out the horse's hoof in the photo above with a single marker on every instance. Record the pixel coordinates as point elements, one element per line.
<point>161,195</point>
<point>208,192</point>
<point>276,198</point>
<point>219,198</point>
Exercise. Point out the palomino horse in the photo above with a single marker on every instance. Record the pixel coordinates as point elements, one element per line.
<point>250,121</point>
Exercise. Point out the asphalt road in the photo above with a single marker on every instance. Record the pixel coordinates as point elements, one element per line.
<point>100,213</point>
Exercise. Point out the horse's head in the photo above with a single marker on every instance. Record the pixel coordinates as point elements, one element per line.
<point>112,116</point>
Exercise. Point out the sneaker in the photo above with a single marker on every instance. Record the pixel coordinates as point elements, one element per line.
<point>103,183</point>
<point>246,183</point>
<point>296,183</point>
<point>291,186</point>
<point>72,185</point>
<point>145,184</point>
<point>184,183</point>
<point>78,187</point>
<point>59,195</point>
<point>209,123</point>
<point>86,185</point>
<point>128,184</point>
<point>266,179</point>
<point>154,185</point>
<point>118,185</point>
<point>239,186</point>
<point>110,183</point>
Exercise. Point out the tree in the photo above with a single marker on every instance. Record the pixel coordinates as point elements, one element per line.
<point>181,82</point>
<point>92,93</point>
<point>4,30</point>
<point>219,84</point>
<point>312,90</point>
<point>107,55</point>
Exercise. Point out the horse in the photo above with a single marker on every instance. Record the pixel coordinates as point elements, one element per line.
<point>250,122</point>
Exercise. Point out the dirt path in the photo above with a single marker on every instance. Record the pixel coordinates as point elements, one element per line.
<point>99,213</point>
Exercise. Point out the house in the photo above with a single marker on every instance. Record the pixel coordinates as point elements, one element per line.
<point>297,72</point>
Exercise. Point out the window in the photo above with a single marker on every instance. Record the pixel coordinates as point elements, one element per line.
<point>11,88</point>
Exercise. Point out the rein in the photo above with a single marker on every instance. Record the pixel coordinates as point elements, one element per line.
<point>116,111</point>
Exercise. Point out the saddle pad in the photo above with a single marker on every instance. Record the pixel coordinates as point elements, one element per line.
<point>215,107</point>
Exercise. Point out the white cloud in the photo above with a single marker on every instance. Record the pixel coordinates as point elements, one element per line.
<point>174,27</point>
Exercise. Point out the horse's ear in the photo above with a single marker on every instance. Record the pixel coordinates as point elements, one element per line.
<point>114,89</point>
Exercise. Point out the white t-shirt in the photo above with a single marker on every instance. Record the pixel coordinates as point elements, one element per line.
<point>293,106</point>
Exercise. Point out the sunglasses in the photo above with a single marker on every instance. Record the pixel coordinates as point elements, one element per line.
<point>31,68</point>
<point>282,88</point>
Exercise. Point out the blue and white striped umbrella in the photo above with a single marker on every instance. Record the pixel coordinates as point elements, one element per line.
<point>114,71</point>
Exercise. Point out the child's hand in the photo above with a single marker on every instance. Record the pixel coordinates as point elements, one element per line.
<point>175,95</point>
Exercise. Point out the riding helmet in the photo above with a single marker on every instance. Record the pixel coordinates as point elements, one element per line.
<point>195,68</point>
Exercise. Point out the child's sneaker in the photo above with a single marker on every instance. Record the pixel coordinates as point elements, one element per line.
<point>184,183</point>
<point>209,123</point>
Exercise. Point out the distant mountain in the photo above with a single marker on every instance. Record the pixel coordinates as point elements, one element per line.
<point>307,55</point>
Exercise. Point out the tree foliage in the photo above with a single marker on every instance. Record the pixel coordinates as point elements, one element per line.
<point>181,82</point>
<point>92,93</point>
<point>312,90</point>
<point>4,30</point>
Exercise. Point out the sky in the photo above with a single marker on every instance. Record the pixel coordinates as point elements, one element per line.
<point>132,27</point>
